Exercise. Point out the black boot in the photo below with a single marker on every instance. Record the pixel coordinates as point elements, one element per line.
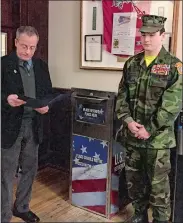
<point>140,218</point>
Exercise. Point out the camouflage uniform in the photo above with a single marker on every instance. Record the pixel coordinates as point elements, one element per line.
<point>151,96</point>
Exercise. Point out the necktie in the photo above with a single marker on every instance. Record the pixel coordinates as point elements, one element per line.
<point>26,66</point>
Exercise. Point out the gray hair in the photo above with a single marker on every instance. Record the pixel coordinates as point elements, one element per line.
<point>29,30</point>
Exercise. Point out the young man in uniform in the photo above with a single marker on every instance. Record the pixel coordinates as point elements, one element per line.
<point>149,100</point>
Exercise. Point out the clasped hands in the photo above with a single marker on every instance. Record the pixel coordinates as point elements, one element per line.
<point>138,130</point>
<point>14,101</point>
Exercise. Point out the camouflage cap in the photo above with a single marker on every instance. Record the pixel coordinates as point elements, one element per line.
<point>152,23</point>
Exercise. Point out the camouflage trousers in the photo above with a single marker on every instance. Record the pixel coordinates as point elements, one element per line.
<point>148,181</point>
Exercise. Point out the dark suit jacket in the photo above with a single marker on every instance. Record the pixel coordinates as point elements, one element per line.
<point>11,83</point>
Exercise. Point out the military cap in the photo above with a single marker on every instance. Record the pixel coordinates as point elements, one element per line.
<point>152,23</point>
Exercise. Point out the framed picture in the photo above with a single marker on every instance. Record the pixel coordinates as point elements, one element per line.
<point>93,48</point>
<point>107,29</point>
<point>167,41</point>
<point>3,43</point>
<point>161,11</point>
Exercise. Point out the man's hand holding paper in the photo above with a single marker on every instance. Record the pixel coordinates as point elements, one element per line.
<point>42,110</point>
<point>14,101</point>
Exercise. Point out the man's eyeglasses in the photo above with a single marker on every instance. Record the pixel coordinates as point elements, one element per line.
<point>25,47</point>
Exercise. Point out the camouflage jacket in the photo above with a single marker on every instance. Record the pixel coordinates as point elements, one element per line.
<point>151,96</point>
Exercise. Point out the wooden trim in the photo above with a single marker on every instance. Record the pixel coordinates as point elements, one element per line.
<point>81,32</point>
<point>23,12</point>
<point>64,90</point>
<point>101,68</point>
<point>175,26</point>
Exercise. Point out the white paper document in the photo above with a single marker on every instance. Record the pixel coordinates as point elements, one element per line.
<point>93,48</point>
<point>124,32</point>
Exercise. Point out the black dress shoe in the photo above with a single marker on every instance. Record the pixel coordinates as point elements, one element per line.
<point>28,217</point>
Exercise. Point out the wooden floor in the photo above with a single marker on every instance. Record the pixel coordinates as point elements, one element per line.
<point>50,201</point>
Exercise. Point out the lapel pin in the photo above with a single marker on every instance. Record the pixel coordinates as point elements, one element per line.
<point>15,71</point>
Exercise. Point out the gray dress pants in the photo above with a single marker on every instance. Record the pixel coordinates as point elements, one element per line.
<point>24,152</point>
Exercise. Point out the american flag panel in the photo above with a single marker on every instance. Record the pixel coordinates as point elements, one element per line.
<point>89,173</point>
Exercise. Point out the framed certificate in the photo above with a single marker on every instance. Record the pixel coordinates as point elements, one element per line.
<point>93,48</point>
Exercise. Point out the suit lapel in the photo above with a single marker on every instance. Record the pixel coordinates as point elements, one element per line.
<point>14,72</point>
<point>37,75</point>
<point>35,67</point>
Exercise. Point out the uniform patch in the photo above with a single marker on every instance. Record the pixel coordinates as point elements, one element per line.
<point>161,69</point>
<point>179,67</point>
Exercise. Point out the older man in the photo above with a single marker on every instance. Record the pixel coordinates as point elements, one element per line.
<point>22,75</point>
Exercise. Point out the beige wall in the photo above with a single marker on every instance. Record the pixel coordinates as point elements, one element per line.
<point>64,50</point>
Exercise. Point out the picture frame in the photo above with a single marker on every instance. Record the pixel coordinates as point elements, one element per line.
<point>115,62</point>
<point>161,11</point>
<point>93,48</point>
<point>167,41</point>
<point>3,43</point>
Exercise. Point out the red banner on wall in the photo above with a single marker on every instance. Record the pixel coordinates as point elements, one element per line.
<point>117,6</point>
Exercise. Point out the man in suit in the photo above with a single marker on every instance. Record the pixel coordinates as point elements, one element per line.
<point>22,75</point>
